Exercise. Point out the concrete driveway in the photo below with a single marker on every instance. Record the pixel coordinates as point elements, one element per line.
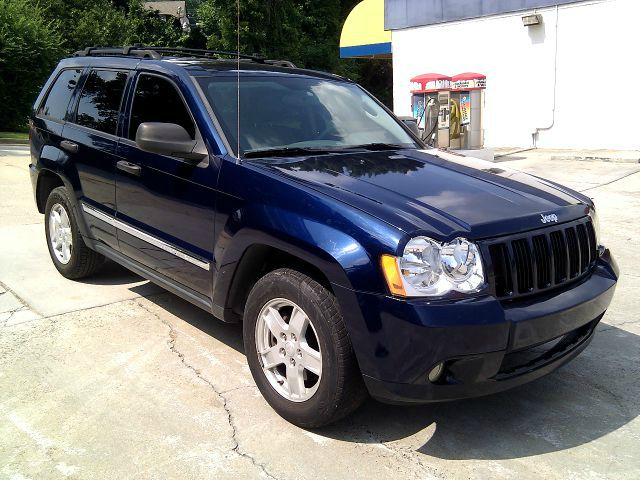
<point>114,378</point>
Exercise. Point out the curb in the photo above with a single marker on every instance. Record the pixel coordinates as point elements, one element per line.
<point>588,158</point>
<point>13,141</point>
<point>624,157</point>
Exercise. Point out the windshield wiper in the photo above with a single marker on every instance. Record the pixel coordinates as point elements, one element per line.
<point>377,146</point>
<point>286,152</point>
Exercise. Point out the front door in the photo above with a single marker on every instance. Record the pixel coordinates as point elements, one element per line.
<point>165,205</point>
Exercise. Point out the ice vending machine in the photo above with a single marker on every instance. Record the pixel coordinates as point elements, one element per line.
<point>430,94</point>
<point>467,110</point>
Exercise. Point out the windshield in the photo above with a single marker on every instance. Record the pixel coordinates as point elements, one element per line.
<point>294,112</point>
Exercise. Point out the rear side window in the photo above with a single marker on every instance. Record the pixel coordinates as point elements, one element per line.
<point>55,106</point>
<point>157,100</point>
<point>100,100</point>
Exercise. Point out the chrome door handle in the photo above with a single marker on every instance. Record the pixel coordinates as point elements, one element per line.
<point>129,167</point>
<point>69,146</point>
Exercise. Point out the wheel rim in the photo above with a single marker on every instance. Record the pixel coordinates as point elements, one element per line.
<point>60,233</point>
<point>288,350</point>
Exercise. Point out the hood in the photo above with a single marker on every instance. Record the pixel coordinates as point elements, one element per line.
<point>438,193</point>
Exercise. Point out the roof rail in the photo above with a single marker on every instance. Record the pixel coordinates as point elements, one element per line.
<point>156,53</point>
<point>133,50</point>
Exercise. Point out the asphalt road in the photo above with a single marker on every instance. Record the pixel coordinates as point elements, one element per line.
<point>113,378</point>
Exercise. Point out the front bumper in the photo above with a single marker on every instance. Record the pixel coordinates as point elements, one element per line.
<point>486,345</point>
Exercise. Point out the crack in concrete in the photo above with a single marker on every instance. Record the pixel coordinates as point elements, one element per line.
<point>55,315</point>
<point>11,313</point>
<point>611,181</point>
<point>617,325</point>
<point>405,453</point>
<point>622,407</point>
<point>24,303</point>
<point>224,392</point>
<point>173,335</point>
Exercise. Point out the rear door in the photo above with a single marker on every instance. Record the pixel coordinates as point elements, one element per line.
<point>90,141</point>
<point>165,204</point>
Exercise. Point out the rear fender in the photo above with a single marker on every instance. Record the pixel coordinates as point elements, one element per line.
<point>54,161</point>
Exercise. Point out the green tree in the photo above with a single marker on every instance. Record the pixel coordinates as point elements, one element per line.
<point>30,46</point>
<point>110,23</point>
<point>306,32</point>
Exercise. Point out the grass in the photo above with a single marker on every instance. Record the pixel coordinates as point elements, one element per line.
<point>14,136</point>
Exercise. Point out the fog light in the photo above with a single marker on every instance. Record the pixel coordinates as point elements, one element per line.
<point>435,372</point>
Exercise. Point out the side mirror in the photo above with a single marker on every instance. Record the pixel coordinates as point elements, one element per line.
<point>166,139</point>
<point>412,123</point>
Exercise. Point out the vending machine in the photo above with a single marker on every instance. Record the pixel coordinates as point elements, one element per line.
<point>430,93</point>
<point>467,110</point>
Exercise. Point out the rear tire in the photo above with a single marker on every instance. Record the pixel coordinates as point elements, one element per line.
<point>71,257</point>
<point>330,384</point>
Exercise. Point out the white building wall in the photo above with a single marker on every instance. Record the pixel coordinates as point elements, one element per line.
<point>597,82</point>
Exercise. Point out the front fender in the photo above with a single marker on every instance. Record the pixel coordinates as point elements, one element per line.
<point>343,259</point>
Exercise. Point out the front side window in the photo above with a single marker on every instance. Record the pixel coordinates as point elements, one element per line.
<point>299,112</point>
<point>100,100</point>
<point>157,100</point>
<point>57,102</point>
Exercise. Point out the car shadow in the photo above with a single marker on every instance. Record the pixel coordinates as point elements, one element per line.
<point>593,396</point>
<point>112,273</point>
<point>228,333</point>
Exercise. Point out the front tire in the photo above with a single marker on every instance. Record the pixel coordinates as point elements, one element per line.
<point>298,350</point>
<point>71,257</point>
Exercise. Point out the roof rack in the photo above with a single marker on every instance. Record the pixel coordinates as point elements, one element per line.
<point>156,53</point>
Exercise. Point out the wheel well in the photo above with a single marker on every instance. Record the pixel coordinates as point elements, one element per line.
<point>256,262</point>
<point>47,181</point>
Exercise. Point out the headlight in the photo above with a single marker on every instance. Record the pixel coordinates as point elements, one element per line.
<point>430,268</point>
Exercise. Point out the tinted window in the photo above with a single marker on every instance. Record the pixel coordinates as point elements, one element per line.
<point>55,106</point>
<point>157,100</point>
<point>100,100</point>
<point>296,111</point>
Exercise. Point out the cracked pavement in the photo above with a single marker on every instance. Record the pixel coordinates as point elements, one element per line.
<point>115,378</point>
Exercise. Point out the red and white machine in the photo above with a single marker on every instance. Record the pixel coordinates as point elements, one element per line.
<point>467,96</point>
<point>430,107</point>
<point>449,110</point>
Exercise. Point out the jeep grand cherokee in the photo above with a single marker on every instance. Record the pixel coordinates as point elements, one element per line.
<point>358,261</point>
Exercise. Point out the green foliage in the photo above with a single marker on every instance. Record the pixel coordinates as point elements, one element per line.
<point>35,34</point>
<point>30,47</point>
<point>306,32</point>
<point>110,23</point>
<point>14,135</point>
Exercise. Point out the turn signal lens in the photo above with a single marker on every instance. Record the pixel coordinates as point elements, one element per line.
<point>392,275</point>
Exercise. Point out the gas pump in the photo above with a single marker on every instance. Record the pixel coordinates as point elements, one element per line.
<point>467,100</point>
<point>430,107</point>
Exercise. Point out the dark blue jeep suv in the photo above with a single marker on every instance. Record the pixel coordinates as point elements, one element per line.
<point>358,261</point>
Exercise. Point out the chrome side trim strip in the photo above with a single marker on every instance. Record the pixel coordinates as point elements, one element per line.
<point>100,215</point>
<point>156,242</point>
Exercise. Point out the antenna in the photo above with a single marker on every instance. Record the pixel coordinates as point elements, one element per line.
<point>238,73</point>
